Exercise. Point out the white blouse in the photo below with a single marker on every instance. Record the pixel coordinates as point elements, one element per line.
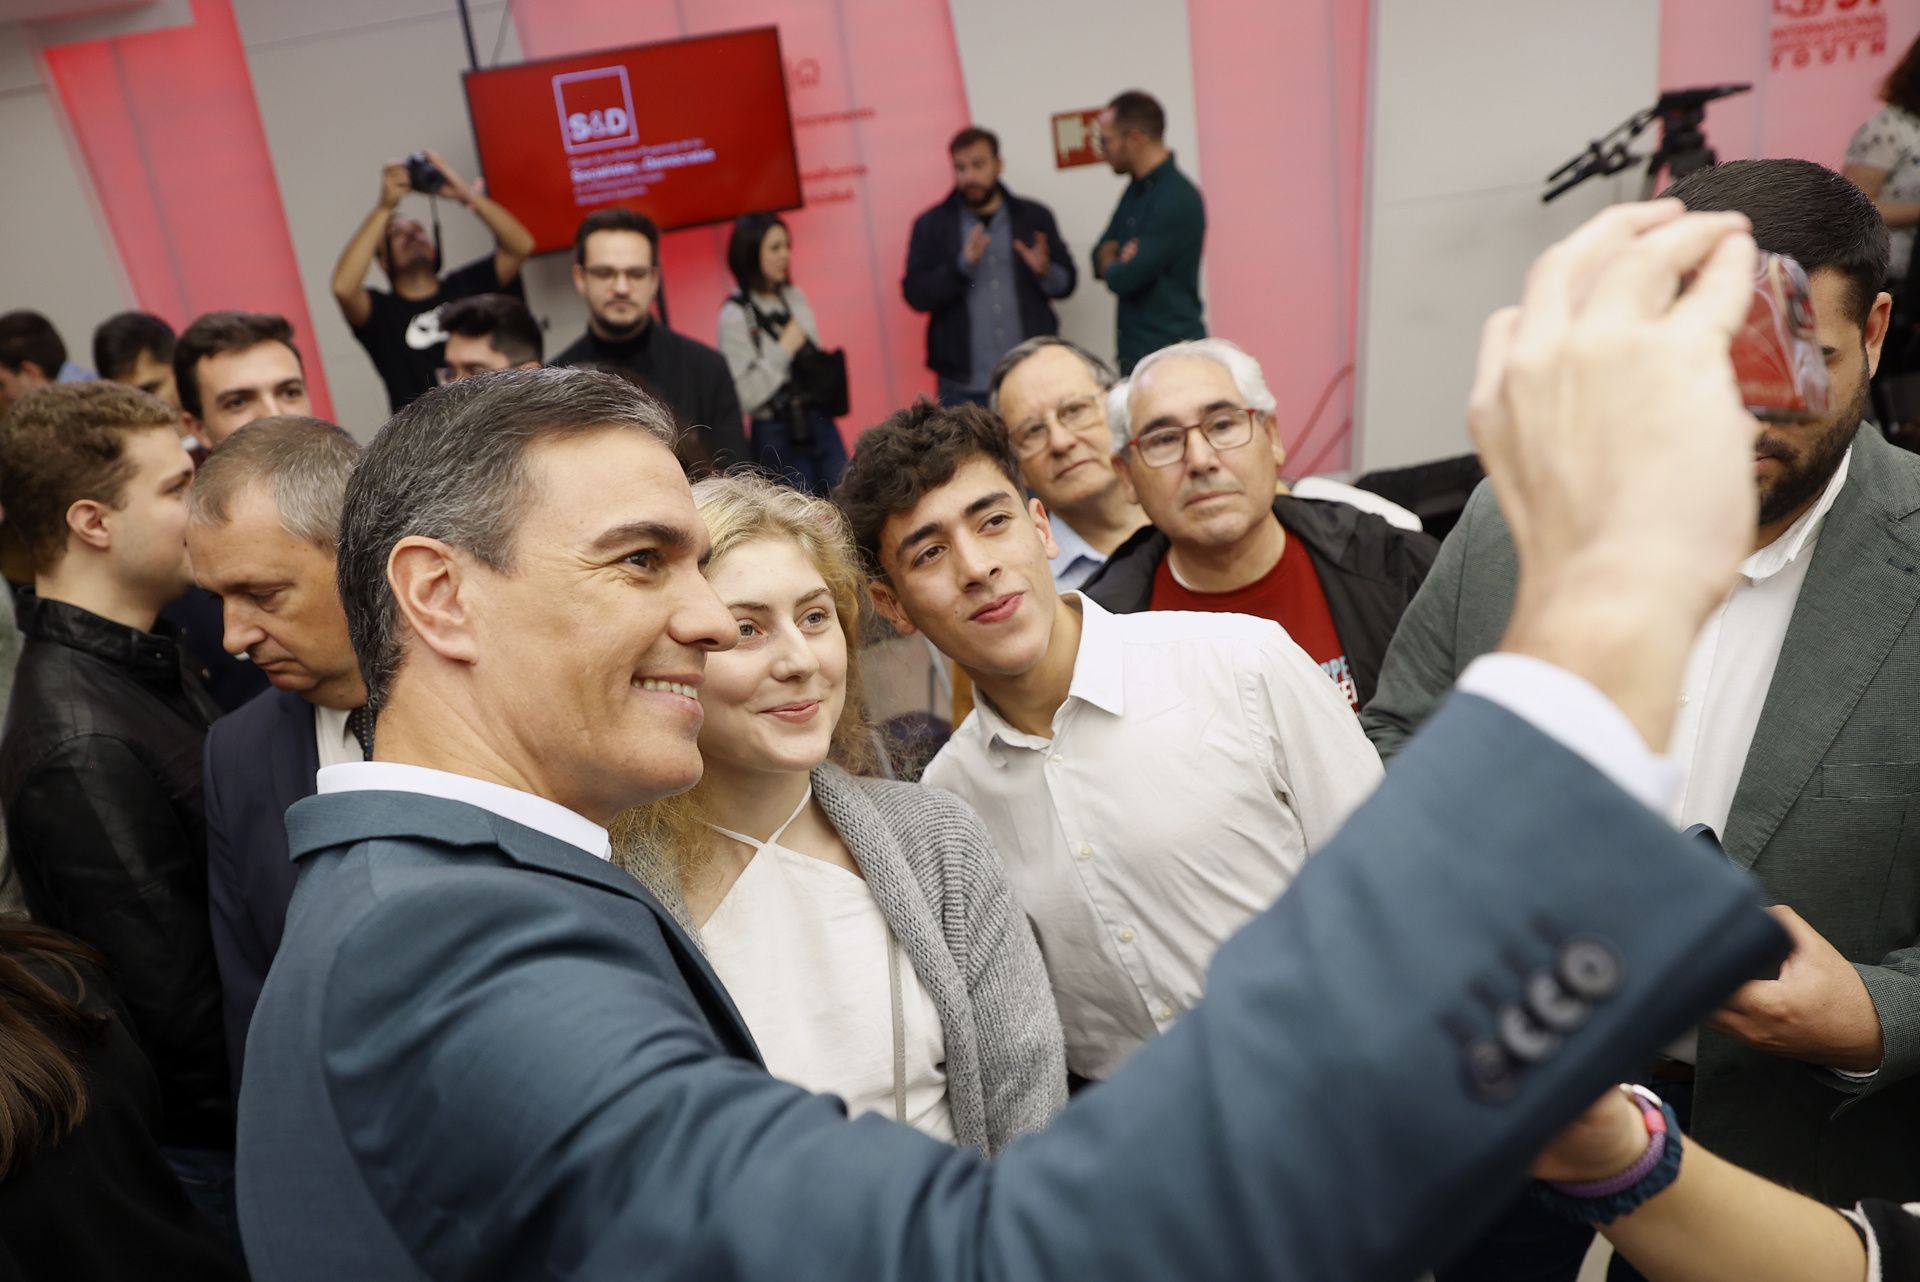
<point>803,950</point>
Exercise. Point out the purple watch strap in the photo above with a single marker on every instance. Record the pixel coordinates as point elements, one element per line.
<point>1625,1180</point>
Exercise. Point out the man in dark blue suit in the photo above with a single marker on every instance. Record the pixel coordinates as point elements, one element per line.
<point>484,1052</point>
<point>264,523</point>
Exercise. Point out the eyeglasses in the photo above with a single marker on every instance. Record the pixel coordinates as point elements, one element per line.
<point>1074,417</point>
<point>1225,429</point>
<point>607,275</point>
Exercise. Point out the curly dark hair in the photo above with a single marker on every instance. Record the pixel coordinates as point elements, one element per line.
<point>914,452</point>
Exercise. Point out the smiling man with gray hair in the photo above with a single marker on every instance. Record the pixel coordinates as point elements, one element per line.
<point>1196,441</point>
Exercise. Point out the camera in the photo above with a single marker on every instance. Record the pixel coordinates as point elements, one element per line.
<point>424,176</point>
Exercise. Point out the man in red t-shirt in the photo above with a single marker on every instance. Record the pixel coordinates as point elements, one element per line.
<point>1197,445</point>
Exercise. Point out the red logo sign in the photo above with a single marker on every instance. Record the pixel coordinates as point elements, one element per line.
<point>1826,30</point>
<point>1076,138</point>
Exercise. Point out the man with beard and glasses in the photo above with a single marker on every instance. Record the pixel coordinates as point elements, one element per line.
<point>986,267</point>
<point>616,269</point>
<point>1797,741</point>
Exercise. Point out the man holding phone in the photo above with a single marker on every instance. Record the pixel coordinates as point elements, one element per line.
<point>401,330</point>
<point>1795,737</point>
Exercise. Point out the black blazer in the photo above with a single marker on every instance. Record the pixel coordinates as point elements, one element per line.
<point>934,283</point>
<point>259,761</point>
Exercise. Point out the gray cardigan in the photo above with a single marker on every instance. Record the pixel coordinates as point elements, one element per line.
<point>760,368</point>
<point>940,885</point>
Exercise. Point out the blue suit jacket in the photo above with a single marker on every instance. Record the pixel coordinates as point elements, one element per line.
<point>258,761</point>
<point>484,1054</point>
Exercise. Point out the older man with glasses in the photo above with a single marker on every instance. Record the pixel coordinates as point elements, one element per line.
<point>1052,396</point>
<point>1197,444</point>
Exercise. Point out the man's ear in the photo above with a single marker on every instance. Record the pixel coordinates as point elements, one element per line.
<point>1043,523</point>
<point>193,424</point>
<point>580,279</point>
<point>31,371</point>
<point>1270,423</point>
<point>432,586</point>
<point>87,521</point>
<point>1123,469</point>
<point>1876,330</point>
<point>881,593</point>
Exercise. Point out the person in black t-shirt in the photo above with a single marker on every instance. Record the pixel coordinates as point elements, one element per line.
<point>401,330</point>
<point>616,268</point>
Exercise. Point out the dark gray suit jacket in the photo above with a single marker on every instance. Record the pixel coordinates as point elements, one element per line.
<point>258,761</point>
<point>485,1054</point>
<point>1827,813</point>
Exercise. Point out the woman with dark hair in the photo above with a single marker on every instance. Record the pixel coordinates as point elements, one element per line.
<point>84,1190</point>
<point>772,346</point>
<point>1883,160</point>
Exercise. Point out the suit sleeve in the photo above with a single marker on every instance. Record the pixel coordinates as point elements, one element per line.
<point>237,950</point>
<point>933,279</point>
<point>1420,665</point>
<point>1894,986</point>
<point>529,1090</point>
<point>110,863</point>
<point>1162,243</point>
<point>1023,1058</point>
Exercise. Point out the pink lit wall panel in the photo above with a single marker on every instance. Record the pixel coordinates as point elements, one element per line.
<point>170,132</point>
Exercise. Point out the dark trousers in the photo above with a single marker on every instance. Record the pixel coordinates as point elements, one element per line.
<point>1529,1243</point>
<point>207,1176</point>
<point>814,467</point>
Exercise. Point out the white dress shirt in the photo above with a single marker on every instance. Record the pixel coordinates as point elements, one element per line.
<point>1197,761</point>
<point>523,808</point>
<point>333,738</point>
<point>1731,667</point>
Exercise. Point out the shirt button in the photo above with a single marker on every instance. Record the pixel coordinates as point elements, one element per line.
<point>1166,1013</point>
<point>1685,699</point>
<point>1086,852</point>
<point>1126,934</point>
<point>1056,758</point>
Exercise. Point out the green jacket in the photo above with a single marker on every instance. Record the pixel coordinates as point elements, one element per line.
<point>1827,812</point>
<point>1158,289</point>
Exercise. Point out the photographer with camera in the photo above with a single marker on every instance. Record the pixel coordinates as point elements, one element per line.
<point>792,389</point>
<point>401,330</point>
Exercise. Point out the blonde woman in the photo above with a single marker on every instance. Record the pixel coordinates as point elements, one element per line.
<point>863,927</point>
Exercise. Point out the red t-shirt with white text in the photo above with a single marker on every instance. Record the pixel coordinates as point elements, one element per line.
<point>1289,594</point>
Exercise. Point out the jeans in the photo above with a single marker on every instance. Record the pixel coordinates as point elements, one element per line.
<point>814,467</point>
<point>207,1177</point>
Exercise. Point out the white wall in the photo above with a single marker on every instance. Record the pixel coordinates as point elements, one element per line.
<point>1473,104</point>
<point>1023,61</point>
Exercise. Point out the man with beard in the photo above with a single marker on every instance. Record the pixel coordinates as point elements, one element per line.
<point>1795,739</point>
<point>985,266</point>
<point>616,268</point>
<point>401,330</point>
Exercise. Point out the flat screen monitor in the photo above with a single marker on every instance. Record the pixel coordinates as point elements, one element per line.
<point>686,131</point>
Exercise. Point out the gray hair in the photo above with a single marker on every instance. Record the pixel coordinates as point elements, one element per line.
<point>1102,372</point>
<point>1248,381</point>
<point>452,466</point>
<point>302,462</point>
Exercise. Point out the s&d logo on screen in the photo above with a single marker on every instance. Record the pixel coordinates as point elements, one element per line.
<point>596,109</point>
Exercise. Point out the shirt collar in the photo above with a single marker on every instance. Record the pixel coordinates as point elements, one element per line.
<point>1098,676</point>
<point>523,808</point>
<point>1072,547</point>
<point>1786,549</point>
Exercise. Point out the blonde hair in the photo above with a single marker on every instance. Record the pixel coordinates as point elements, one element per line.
<point>741,508</point>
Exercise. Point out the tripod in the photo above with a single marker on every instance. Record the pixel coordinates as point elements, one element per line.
<point>1683,143</point>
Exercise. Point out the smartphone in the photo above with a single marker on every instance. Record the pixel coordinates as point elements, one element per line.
<point>1776,354</point>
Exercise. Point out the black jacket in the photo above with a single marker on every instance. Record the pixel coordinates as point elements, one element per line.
<point>100,784</point>
<point>1368,568</point>
<point>935,283</point>
<point>689,377</point>
<point>102,1204</point>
